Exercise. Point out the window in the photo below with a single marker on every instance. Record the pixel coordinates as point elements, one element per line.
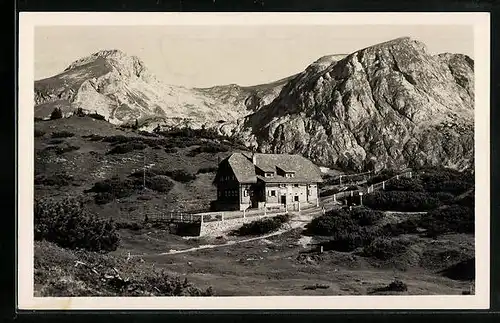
<point>245,192</point>
<point>272,193</point>
<point>295,185</point>
<point>296,198</point>
<point>282,185</point>
<point>269,174</point>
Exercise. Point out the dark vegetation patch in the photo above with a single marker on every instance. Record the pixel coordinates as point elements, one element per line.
<point>113,188</point>
<point>57,179</point>
<point>97,116</point>
<point>56,141</point>
<point>68,224</point>
<point>210,148</point>
<point>394,286</point>
<point>206,170</point>
<point>63,273</point>
<point>464,270</point>
<point>39,133</point>
<point>409,226</point>
<point>448,219</point>
<point>383,248</point>
<point>93,137</point>
<point>62,134</point>
<point>59,150</point>
<point>127,148</point>
<point>405,184</point>
<point>179,175</point>
<point>263,226</point>
<point>400,201</point>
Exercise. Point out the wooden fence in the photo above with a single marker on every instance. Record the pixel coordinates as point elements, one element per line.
<point>370,189</point>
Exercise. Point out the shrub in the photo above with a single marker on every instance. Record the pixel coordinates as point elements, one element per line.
<point>61,149</point>
<point>333,223</point>
<point>404,227</point>
<point>39,133</point>
<point>69,225</point>
<point>207,170</point>
<point>453,218</point>
<point>385,249</point>
<point>113,188</point>
<point>97,116</point>
<point>405,184</point>
<point>178,175</point>
<point>365,216</point>
<point>93,137</point>
<point>58,179</point>
<point>400,201</point>
<point>208,148</point>
<point>263,226</point>
<point>126,148</point>
<point>129,225</point>
<point>443,197</point>
<point>159,184</point>
<point>171,150</point>
<point>351,240</point>
<point>56,141</point>
<point>80,112</point>
<point>56,114</point>
<point>62,134</point>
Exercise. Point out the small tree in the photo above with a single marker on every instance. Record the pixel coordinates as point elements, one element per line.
<point>56,114</point>
<point>80,112</point>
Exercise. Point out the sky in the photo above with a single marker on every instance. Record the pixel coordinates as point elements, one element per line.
<point>204,56</point>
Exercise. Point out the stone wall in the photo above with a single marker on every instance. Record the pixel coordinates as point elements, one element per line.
<point>216,228</point>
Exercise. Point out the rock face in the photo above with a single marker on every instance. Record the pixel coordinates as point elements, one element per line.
<point>391,104</point>
<point>121,88</point>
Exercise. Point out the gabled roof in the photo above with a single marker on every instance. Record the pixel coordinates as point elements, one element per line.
<point>244,170</point>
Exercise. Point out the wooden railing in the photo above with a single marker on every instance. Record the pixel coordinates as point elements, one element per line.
<point>370,189</point>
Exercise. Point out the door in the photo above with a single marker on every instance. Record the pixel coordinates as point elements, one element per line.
<point>283,199</point>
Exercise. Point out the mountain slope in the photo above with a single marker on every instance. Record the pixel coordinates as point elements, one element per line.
<point>121,88</point>
<point>391,104</point>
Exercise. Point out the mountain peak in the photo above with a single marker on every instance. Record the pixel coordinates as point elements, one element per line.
<point>128,65</point>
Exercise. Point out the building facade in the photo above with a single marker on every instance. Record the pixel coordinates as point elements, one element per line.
<point>253,180</point>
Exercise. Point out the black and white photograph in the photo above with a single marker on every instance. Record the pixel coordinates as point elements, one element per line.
<point>197,160</point>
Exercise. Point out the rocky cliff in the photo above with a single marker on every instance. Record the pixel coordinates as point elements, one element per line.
<point>392,104</point>
<point>122,89</point>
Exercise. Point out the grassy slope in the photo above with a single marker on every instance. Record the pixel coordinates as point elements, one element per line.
<point>90,164</point>
<point>270,267</point>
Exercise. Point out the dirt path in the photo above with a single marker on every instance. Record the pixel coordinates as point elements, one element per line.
<point>299,221</point>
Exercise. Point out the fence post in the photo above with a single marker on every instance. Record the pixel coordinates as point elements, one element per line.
<point>410,174</point>
<point>191,218</point>
<point>397,177</point>
<point>265,210</point>
<point>335,198</point>
<point>299,206</point>
<point>181,216</point>
<point>243,213</point>
<point>352,192</point>
<point>201,219</point>
<point>383,185</point>
<point>222,216</point>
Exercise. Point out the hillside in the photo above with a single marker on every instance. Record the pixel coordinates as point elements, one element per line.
<point>121,88</point>
<point>389,105</point>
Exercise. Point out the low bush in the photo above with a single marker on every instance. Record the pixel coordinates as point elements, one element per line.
<point>263,226</point>
<point>62,134</point>
<point>405,184</point>
<point>170,150</point>
<point>443,197</point>
<point>113,188</point>
<point>93,137</point>
<point>384,249</point>
<point>365,216</point>
<point>404,227</point>
<point>400,201</point>
<point>207,170</point>
<point>126,148</point>
<point>58,179</point>
<point>56,114</point>
<point>129,225</point>
<point>97,116</point>
<point>159,184</point>
<point>56,141</point>
<point>208,148</point>
<point>349,241</point>
<point>69,225</point>
<point>453,218</point>
<point>333,223</point>
<point>39,133</point>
